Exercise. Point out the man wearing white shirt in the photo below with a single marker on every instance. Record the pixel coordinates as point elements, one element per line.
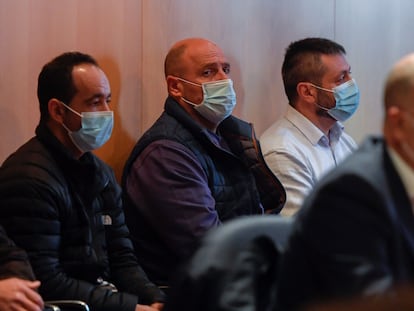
<point>310,139</point>
<point>354,235</point>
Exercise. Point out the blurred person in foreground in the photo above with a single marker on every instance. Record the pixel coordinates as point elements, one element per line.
<point>355,234</point>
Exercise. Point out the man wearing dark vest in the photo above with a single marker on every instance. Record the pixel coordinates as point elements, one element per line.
<point>197,166</point>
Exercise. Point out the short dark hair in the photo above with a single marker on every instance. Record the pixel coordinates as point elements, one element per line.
<point>55,80</point>
<point>303,62</point>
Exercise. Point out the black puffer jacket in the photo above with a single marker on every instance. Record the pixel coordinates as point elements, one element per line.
<point>67,214</point>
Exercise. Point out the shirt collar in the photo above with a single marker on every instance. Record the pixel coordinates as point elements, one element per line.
<point>404,170</point>
<point>311,131</point>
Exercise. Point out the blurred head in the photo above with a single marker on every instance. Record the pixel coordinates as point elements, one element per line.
<point>69,86</point>
<point>189,64</point>
<point>399,108</point>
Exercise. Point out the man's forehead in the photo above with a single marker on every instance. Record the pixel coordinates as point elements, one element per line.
<point>89,72</point>
<point>335,63</point>
<point>206,54</point>
<point>90,79</point>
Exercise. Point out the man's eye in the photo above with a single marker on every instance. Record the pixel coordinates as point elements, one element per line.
<point>226,70</point>
<point>96,103</point>
<point>341,78</point>
<point>207,72</point>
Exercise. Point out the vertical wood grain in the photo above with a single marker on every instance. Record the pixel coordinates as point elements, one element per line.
<point>131,37</point>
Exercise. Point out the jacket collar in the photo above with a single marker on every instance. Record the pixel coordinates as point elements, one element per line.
<point>84,173</point>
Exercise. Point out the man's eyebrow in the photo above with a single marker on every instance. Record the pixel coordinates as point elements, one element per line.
<point>212,64</point>
<point>215,65</point>
<point>347,70</point>
<point>98,95</point>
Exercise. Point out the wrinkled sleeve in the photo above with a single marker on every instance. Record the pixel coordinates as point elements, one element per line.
<point>294,174</point>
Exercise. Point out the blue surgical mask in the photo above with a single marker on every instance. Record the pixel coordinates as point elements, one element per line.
<point>346,98</point>
<point>219,100</point>
<point>95,130</point>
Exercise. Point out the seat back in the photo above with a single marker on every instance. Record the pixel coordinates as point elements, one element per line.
<point>66,305</point>
<point>235,267</point>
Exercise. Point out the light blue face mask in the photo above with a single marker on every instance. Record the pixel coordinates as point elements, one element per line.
<point>219,99</point>
<point>95,130</point>
<point>346,98</point>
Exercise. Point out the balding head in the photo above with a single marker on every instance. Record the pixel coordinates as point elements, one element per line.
<point>175,63</point>
<point>399,86</point>
<point>399,109</point>
<point>188,65</point>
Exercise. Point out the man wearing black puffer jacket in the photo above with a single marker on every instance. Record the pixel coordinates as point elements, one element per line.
<point>62,204</point>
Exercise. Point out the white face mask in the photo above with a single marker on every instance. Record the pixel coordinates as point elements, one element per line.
<point>219,99</point>
<point>95,131</point>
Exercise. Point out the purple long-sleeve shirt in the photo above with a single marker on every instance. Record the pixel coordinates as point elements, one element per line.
<point>168,178</point>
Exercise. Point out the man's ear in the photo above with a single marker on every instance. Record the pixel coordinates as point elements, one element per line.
<point>56,110</point>
<point>395,123</point>
<point>174,87</point>
<point>306,92</point>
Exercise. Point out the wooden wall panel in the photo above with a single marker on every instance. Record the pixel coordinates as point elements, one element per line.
<point>131,37</point>
<point>33,32</point>
<point>376,33</point>
<point>17,106</point>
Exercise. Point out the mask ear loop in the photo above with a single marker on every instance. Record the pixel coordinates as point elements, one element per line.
<point>323,89</point>
<point>191,103</point>
<point>195,84</point>
<point>74,111</point>
<point>189,82</point>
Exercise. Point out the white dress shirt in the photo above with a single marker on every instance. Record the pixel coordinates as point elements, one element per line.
<point>299,153</point>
